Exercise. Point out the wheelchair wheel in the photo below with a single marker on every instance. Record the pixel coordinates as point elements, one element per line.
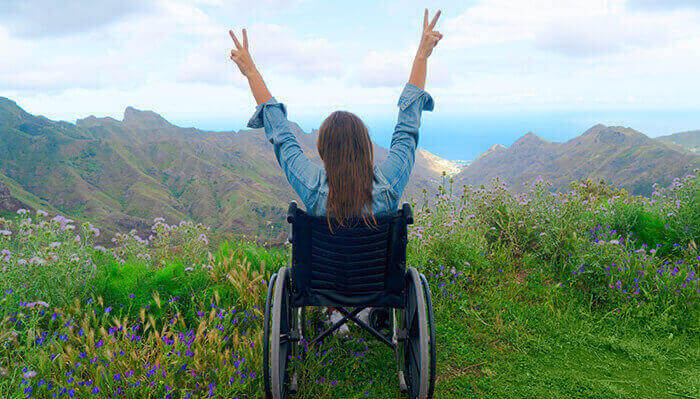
<point>414,348</point>
<point>431,331</point>
<point>266,336</point>
<point>281,339</point>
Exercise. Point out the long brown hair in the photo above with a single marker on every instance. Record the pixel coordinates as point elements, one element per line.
<point>347,154</point>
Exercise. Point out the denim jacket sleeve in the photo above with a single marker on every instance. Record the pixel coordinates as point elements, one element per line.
<point>303,175</point>
<point>397,167</point>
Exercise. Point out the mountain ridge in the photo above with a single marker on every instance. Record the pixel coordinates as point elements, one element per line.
<point>688,141</point>
<point>122,174</point>
<point>619,155</point>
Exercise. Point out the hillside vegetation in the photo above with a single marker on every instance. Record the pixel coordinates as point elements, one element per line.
<point>121,174</point>
<point>585,293</point>
<point>690,141</point>
<point>621,156</point>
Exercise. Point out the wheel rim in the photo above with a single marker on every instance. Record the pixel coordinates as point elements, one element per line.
<point>415,347</point>
<point>282,347</point>
<point>431,331</point>
<point>412,346</point>
<point>266,336</point>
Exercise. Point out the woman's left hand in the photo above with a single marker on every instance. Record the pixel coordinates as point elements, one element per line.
<point>241,56</point>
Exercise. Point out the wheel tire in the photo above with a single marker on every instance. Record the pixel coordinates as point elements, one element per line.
<point>415,349</point>
<point>266,337</point>
<point>284,321</point>
<point>431,331</point>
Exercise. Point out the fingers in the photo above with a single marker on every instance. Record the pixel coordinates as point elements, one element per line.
<point>425,19</point>
<point>245,39</point>
<point>434,21</point>
<point>233,36</point>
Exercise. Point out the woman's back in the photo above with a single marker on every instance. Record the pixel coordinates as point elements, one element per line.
<point>349,184</point>
<point>310,180</point>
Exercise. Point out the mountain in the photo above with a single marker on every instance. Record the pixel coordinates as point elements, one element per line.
<point>621,156</point>
<point>8,203</point>
<point>439,165</point>
<point>123,173</point>
<point>689,141</point>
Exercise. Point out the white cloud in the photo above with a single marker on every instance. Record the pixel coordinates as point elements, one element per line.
<point>210,65</point>
<point>42,18</point>
<point>392,68</point>
<point>62,72</point>
<point>496,55</point>
<point>663,4</point>
<point>123,53</point>
<point>568,27</point>
<point>592,36</point>
<point>273,47</point>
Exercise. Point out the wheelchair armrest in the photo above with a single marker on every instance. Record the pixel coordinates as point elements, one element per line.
<point>291,212</point>
<point>407,212</point>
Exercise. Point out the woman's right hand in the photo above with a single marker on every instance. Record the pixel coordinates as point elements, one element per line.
<point>430,37</point>
<point>241,56</point>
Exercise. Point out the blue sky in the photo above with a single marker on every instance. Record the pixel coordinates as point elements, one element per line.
<point>504,67</point>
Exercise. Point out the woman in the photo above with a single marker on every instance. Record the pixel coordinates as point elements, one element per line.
<point>348,185</point>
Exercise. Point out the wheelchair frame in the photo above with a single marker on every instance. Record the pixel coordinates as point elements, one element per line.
<point>349,267</point>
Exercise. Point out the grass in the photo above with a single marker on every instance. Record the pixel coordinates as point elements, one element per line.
<point>585,294</point>
<point>517,335</point>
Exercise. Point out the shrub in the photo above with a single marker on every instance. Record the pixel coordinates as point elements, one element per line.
<point>619,252</point>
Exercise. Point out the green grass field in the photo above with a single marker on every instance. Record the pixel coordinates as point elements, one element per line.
<point>520,337</point>
<point>586,294</point>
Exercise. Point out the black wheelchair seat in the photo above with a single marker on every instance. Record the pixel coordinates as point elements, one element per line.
<point>355,265</point>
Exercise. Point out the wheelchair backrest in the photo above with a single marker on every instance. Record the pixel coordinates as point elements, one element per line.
<point>355,265</point>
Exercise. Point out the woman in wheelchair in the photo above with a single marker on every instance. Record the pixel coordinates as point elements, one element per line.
<point>356,199</point>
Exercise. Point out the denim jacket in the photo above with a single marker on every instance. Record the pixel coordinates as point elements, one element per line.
<point>309,179</point>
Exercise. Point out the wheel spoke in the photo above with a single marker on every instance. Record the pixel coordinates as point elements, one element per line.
<point>412,367</point>
<point>284,352</point>
<point>415,355</point>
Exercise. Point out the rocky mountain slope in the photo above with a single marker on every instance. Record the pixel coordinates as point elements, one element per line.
<point>689,141</point>
<point>123,173</point>
<point>620,156</point>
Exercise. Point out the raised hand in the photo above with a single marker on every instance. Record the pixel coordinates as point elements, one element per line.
<point>244,61</point>
<point>241,56</point>
<point>430,37</point>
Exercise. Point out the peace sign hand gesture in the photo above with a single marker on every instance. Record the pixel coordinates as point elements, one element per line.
<point>430,37</point>
<point>241,56</point>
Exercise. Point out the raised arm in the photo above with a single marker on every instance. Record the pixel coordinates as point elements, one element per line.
<point>302,174</point>
<point>398,165</point>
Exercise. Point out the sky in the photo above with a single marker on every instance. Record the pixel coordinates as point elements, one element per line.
<point>503,68</point>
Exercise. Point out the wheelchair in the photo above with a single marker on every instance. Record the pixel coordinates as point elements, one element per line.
<point>349,268</point>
